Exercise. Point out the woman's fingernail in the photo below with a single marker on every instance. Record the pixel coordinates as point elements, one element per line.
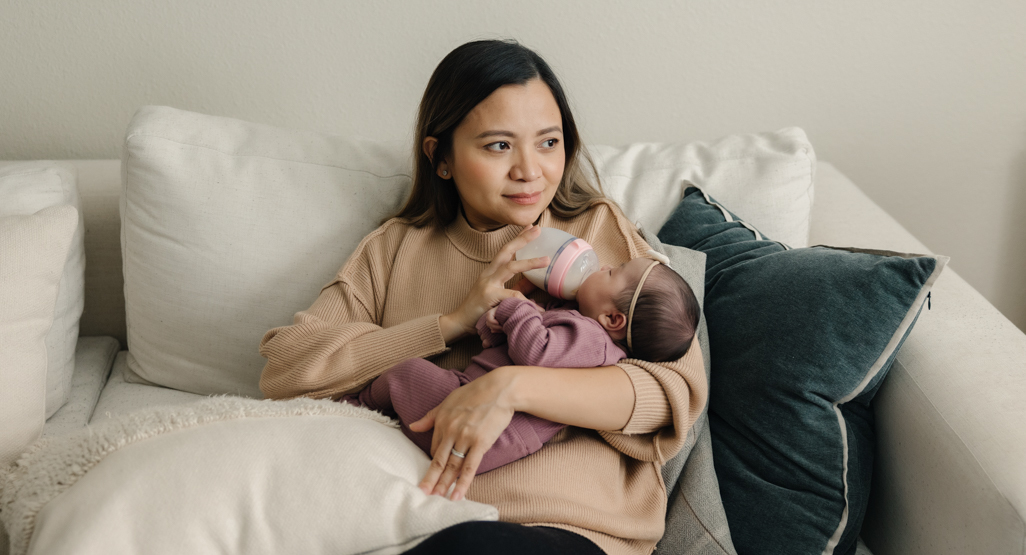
<point>457,496</point>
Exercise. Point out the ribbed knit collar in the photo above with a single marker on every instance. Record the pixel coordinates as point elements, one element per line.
<point>482,245</point>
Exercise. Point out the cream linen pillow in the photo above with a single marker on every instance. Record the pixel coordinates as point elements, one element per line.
<point>229,228</point>
<point>32,254</point>
<point>766,178</point>
<point>231,476</point>
<point>26,188</point>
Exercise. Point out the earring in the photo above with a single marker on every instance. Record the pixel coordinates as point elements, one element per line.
<point>445,173</point>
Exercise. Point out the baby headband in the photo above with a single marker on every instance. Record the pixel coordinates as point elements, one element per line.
<point>657,258</point>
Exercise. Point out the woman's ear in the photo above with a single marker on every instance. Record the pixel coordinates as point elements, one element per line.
<point>615,323</point>
<point>429,147</point>
<point>430,143</point>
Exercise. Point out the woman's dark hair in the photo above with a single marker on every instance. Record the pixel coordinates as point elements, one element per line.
<point>665,319</point>
<point>464,78</point>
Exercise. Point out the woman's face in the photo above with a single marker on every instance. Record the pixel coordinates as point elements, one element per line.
<point>507,156</point>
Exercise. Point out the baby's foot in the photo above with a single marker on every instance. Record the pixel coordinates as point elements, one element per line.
<point>352,400</point>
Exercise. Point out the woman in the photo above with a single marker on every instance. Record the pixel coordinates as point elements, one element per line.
<point>498,154</point>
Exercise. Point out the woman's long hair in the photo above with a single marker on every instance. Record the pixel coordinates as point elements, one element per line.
<point>464,78</point>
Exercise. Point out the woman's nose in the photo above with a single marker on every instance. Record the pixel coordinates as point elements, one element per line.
<point>526,167</point>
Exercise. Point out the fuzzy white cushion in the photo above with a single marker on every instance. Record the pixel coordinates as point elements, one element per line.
<point>26,188</point>
<point>32,254</point>
<point>229,228</point>
<point>232,476</point>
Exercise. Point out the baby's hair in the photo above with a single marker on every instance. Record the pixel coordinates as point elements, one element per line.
<point>666,316</point>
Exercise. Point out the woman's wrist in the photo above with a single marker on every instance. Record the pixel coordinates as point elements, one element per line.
<point>508,380</point>
<point>452,329</point>
<point>595,398</point>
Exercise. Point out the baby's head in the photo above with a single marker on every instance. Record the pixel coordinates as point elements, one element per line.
<point>666,312</point>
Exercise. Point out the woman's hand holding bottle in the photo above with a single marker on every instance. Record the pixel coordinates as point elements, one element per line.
<point>490,287</point>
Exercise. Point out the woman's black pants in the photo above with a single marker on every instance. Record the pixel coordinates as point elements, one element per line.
<point>504,538</point>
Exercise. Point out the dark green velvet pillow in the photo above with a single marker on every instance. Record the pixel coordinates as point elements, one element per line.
<point>800,341</point>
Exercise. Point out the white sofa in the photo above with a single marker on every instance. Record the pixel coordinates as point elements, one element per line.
<point>950,475</point>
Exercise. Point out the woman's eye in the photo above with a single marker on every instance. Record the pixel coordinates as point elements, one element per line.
<point>499,146</point>
<point>551,143</point>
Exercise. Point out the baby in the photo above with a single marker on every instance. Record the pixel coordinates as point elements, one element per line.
<point>641,307</point>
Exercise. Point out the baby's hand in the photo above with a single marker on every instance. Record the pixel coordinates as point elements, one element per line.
<point>491,322</point>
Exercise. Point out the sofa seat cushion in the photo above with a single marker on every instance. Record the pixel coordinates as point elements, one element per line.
<point>120,397</point>
<point>94,358</point>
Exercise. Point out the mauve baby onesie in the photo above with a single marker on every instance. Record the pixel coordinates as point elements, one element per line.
<point>557,338</point>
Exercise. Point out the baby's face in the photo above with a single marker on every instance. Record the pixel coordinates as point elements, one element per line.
<point>596,294</point>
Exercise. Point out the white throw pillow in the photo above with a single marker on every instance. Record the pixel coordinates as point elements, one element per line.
<point>229,228</point>
<point>32,254</point>
<point>26,188</point>
<point>232,476</point>
<point>765,178</point>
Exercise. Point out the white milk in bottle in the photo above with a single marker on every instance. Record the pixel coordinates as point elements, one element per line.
<point>571,261</point>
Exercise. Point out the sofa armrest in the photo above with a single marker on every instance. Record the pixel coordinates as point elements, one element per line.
<point>951,447</point>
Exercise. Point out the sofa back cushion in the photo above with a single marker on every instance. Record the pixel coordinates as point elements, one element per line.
<point>26,188</point>
<point>229,228</point>
<point>33,250</point>
<point>767,177</point>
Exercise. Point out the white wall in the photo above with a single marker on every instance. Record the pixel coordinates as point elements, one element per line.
<point>922,103</point>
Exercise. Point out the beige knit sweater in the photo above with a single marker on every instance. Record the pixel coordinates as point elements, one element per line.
<point>383,307</point>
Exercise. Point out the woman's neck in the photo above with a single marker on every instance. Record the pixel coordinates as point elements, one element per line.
<point>482,245</point>
<point>490,226</point>
<point>480,226</point>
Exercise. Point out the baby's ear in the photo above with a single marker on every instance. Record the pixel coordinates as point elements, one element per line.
<point>615,323</point>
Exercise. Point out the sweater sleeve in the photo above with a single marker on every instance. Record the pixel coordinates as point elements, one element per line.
<point>668,396</point>
<point>337,345</point>
<point>555,339</point>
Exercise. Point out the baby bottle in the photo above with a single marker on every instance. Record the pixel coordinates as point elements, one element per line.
<point>571,261</point>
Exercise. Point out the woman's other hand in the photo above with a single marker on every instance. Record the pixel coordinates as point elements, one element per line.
<point>469,420</point>
<point>490,287</point>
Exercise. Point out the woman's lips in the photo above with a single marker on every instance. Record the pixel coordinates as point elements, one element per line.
<point>525,198</point>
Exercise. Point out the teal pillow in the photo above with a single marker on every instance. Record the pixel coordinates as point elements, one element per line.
<point>800,341</point>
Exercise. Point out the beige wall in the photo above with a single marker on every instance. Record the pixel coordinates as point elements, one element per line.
<point>922,103</point>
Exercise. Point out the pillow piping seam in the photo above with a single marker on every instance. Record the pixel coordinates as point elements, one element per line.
<point>892,347</point>
<point>132,135</point>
